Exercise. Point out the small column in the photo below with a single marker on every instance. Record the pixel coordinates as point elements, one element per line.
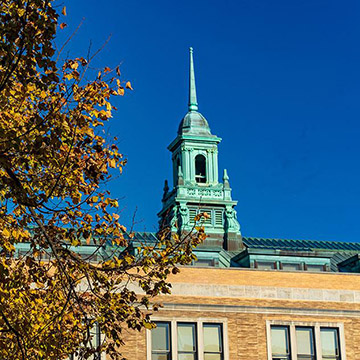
<point>216,170</point>
<point>210,167</point>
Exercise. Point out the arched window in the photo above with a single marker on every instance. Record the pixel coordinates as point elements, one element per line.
<point>200,169</point>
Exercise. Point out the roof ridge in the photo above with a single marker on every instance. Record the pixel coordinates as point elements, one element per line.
<point>283,239</point>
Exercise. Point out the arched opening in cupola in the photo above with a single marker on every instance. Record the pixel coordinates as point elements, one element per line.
<point>200,169</point>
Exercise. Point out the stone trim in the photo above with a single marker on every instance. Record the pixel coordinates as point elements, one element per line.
<point>266,292</point>
<point>259,310</point>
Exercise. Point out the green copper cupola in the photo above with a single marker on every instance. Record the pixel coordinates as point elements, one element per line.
<point>196,186</point>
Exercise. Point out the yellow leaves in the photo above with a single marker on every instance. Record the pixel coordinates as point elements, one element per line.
<point>148,325</point>
<point>108,106</point>
<point>88,218</point>
<point>74,65</point>
<point>120,90</point>
<point>94,199</point>
<point>199,216</point>
<point>63,159</point>
<point>206,215</point>
<point>6,233</point>
<point>112,163</point>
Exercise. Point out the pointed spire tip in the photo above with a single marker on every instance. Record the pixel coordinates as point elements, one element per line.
<point>193,104</point>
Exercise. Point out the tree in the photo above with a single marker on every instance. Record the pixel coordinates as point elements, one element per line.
<point>54,163</point>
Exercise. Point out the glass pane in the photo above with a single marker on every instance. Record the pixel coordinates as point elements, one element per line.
<point>212,356</point>
<point>212,338</point>
<point>265,265</point>
<point>290,266</point>
<point>160,337</point>
<point>95,335</point>
<point>186,356</point>
<point>186,338</point>
<point>329,342</point>
<point>315,268</point>
<point>279,340</point>
<point>160,357</point>
<point>305,343</point>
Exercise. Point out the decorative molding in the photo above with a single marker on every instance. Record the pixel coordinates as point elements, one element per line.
<point>205,192</point>
<point>266,292</point>
<point>246,309</point>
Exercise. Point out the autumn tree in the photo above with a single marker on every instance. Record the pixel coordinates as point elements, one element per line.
<point>54,162</point>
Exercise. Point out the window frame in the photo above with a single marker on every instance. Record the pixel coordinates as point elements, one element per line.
<point>199,322</point>
<point>99,338</point>
<point>169,339</point>
<point>200,177</point>
<point>316,332</point>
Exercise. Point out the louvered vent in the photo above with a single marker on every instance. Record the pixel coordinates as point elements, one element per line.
<point>192,214</point>
<point>207,221</point>
<point>218,218</point>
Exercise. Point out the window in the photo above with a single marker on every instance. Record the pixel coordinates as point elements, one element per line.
<point>290,266</point>
<point>186,336</point>
<point>200,169</point>
<point>95,342</point>
<point>280,347</point>
<point>204,262</point>
<point>305,341</point>
<point>187,340</point>
<point>330,343</point>
<point>160,341</point>
<point>266,265</point>
<point>315,268</point>
<point>213,342</point>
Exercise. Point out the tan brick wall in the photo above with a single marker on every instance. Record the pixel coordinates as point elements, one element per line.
<point>246,318</point>
<point>247,335</point>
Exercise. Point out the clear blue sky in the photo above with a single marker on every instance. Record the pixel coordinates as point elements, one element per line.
<point>278,81</point>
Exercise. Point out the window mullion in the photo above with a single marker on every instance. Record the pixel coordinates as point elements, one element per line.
<point>341,341</point>
<point>200,339</point>
<point>318,349</point>
<point>293,343</point>
<point>174,354</point>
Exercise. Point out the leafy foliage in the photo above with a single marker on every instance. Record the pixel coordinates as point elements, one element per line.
<point>53,166</point>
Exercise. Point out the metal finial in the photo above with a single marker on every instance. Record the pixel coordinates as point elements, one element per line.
<point>193,104</point>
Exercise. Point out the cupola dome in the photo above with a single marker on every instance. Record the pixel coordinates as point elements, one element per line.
<point>194,123</point>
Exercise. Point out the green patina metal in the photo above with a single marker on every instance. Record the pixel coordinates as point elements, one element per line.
<point>196,186</point>
<point>193,105</point>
